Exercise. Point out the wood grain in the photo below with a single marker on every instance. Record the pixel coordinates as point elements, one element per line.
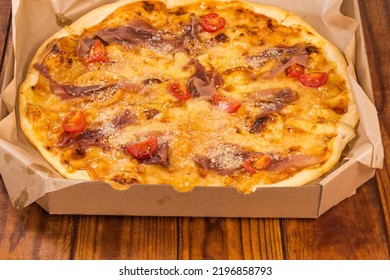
<point>32,233</point>
<point>376,26</point>
<point>230,239</point>
<point>125,238</point>
<point>5,37</point>
<point>351,230</point>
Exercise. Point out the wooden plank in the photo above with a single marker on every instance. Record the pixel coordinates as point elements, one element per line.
<point>31,233</point>
<point>5,21</point>
<point>113,237</point>
<point>376,26</point>
<point>351,230</point>
<point>230,238</point>
<point>5,37</point>
<point>357,228</point>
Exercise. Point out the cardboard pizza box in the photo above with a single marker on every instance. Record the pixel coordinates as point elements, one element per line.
<point>30,179</point>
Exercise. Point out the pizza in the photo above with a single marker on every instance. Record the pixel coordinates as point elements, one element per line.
<point>189,93</point>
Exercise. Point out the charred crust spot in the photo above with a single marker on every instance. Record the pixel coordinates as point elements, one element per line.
<point>33,87</point>
<point>222,38</point>
<point>55,49</point>
<point>239,11</point>
<point>152,81</point>
<point>270,25</point>
<point>311,49</point>
<point>180,11</point>
<point>260,123</point>
<point>123,180</point>
<point>202,173</point>
<point>149,7</point>
<point>69,61</point>
<point>340,110</point>
<point>238,130</point>
<point>79,153</point>
<point>294,149</point>
<point>150,113</point>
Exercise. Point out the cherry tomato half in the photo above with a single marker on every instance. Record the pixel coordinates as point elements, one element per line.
<point>97,53</point>
<point>226,104</point>
<point>143,149</point>
<point>295,70</point>
<point>74,122</point>
<point>314,80</point>
<point>212,22</point>
<point>178,90</point>
<point>255,163</point>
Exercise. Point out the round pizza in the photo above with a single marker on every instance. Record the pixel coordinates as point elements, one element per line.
<point>189,93</point>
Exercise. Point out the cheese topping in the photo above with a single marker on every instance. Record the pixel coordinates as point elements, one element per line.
<point>224,108</point>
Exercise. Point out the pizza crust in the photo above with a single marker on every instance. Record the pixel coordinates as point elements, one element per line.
<point>345,130</point>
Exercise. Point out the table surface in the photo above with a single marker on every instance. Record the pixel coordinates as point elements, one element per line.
<point>357,228</point>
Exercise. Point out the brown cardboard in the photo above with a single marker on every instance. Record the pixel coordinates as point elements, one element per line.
<point>28,178</point>
<point>152,200</point>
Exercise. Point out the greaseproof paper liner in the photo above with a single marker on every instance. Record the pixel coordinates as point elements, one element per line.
<point>28,176</point>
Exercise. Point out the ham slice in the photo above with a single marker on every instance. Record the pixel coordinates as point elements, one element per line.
<point>138,32</point>
<point>295,162</point>
<point>271,101</point>
<point>84,46</point>
<point>223,158</point>
<point>202,84</point>
<point>86,138</point>
<point>198,88</point>
<point>72,91</point>
<point>274,99</point>
<point>160,157</point>
<point>126,117</point>
<point>284,56</point>
<point>300,58</point>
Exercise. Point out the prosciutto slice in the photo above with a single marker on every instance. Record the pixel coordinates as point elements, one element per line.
<point>86,138</point>
<point>66,92</point>
<point>274,99</point>
<point>126,117</point>
<point>161,157</point>
<point>71,91</point>
<point>271,101</point>
<point>284,56</point>
<point>202,84</point>
<point>296,162</point>
<point>84,46</point>
<point>224,158</point>
<point>138,32</point>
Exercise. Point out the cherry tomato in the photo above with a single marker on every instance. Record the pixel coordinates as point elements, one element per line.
<point>143,149</point>
<point>178,90</point>
<point>226,104</point>
<point>295,70</point>
<point>212,22</point>
<point>74,122</point>
<point>255,163</point>
<point>314,80</point>
<point>97,53</point>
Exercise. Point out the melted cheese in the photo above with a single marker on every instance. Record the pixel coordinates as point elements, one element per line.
<point>193,127</point>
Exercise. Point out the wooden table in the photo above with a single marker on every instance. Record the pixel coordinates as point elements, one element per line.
<point>357,228</point>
